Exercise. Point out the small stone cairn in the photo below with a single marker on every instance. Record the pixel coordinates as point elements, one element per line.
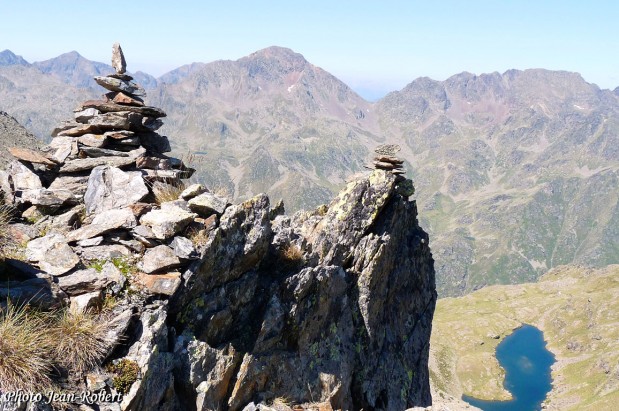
<point>93,197</point>
<point>385,159</point>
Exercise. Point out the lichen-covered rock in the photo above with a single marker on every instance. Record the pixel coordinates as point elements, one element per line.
<point>155,389</point>
<point>334,306</point>
<point>235,248</point>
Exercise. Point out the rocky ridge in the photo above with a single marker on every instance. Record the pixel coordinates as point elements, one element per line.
<point>220,306</point>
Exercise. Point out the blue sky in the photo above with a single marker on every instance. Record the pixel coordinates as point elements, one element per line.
<point>374,46</point>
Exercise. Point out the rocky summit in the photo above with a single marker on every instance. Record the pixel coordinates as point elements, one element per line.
<point>209,305</point>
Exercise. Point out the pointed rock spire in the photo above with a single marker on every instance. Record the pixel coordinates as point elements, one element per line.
<point>118,59</point>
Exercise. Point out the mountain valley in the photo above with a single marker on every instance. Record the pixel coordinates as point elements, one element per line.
<point>575,307</point>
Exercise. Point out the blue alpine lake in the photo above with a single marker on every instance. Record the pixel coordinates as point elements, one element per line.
<point>527,362</point>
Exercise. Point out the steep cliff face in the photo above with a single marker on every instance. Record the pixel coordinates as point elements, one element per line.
<point>332,306</point>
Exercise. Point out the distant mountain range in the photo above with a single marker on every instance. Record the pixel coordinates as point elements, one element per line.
<point>515,172</point>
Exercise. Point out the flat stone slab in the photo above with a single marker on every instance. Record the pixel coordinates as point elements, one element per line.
<point>46,197</point>
<point>83,164</point>
<point>78,130</point>
<point>31,156</point>
<point>104,222</point>
<point>65,125</point>
<point>90,242</point>
<point>167,175</point>
<point>104,252</point>
<point>85,114</point>
<point>104,152</point>
<point>107,121</point>
<point>159,259</point>
<point>167,223</point>
<point>107,107</point>
<point>119,134</point>
<point>165,284</point>
<point>193,191</point>
<point>114,84</point>
<point>389,159</point>
<point>76,184</point>
<point>207,203</point>
<point>110,187</point>
<point>89,280</point>
<point>119,97</point>
<point>53,254</point>
<point>93,140</point>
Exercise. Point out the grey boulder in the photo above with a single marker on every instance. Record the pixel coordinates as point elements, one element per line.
<point>110,187</point>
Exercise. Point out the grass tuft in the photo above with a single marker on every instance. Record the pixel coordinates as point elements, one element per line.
<point>80,339</point>
<point>7,245</point>
<point>292,254</point>
<point>169,191</point>
<point>199,237</point>
<point>25,347</point>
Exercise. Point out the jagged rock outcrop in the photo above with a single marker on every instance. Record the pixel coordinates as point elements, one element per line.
<point>330,308</point>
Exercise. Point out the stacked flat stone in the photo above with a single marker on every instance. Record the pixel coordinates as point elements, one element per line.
<point>385,159</point>
<point>91,193</point>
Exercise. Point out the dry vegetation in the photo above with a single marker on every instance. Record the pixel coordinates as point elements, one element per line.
<point>168,191</point>
<point>7,246</point>
<point>291,255</point>
<point>80,339</point>
<point>199,237</point>
<point>25,350</point>
<point>34,343</point>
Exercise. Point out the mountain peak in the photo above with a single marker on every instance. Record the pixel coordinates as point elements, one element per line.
<point>8,58</point>
<point>274,58</point>
<point>276,51</point>
<point>74,69</point>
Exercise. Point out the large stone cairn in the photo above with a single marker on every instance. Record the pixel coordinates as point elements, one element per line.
<point>92,197</point>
